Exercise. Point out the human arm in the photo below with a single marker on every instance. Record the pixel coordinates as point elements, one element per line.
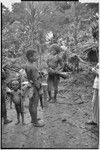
<point>96,71</point>
<point>55,64</point>
<point>35,78</point>
<point>9,92</point>
<point>81,60</point>
<point>60,65</point>
<point>49,68</point>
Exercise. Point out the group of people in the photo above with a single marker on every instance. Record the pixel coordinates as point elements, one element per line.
<point>55,67</point>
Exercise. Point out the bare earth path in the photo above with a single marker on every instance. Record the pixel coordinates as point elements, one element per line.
<point>65,121</point>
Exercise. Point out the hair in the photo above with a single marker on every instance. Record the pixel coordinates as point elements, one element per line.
<point>29,53</point>
<point>56,48</point>
<point>15,82</point>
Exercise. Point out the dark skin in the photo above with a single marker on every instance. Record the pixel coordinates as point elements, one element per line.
<point>3,98</point>
<point>33,78</point>
<point>54,68</point>
<point>18,106</point>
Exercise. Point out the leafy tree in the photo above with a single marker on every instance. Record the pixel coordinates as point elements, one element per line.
<point>29,23</point>
<point>93,6</point>
<point>6,16</point>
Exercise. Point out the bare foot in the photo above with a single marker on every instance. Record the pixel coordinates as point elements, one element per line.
<point>7,121</point>
<point>17,122</point>
<point>38,124</point>
<point>37,120</point>
<point>49,99</point>
<point>53,101</point>
<point>91,122</point>
<point>23,123</point>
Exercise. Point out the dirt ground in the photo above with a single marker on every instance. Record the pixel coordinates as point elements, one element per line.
<point>64,121</point>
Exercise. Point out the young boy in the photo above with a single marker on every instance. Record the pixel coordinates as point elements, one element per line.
<point>95,99</point>
<point>17,100</point>
<point>33,79</point>
<point>9,87</point>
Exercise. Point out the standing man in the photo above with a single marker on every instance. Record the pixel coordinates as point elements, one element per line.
<point>34,79</point>
<point>55,65</point>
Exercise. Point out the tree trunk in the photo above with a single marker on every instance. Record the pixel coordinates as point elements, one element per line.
<point>40,55</point>
<point>75,26</point>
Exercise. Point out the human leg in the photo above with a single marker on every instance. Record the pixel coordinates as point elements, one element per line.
<point>95,106</point>
<point>33,104</point>
<point>22,113</point>
<point>17,107</point>
<point>55,85</point>
<point>49,87</point>
<point>11,100</point>
<point>4,110</point>
<point>41,101</point>
<point>95,109</point>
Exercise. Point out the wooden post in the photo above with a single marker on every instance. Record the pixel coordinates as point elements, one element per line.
<point>75,26</point>
<point>40,56</point>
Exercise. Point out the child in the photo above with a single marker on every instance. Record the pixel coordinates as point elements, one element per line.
<point>95,99</point>
<point>9,87</point>
<point>17,100</point>
<point>33,79</point>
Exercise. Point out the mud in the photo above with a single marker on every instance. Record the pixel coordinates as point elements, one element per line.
<point>65,121</point>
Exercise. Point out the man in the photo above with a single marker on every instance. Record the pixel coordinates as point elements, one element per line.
<point>33,79</point>
<point>3,98</point>
<point>55,65</point>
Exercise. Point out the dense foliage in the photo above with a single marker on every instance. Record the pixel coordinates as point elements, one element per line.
<point>29,23</point>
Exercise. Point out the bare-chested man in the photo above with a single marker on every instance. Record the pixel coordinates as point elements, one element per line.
<point>33,78</point>
<point>55,64</point>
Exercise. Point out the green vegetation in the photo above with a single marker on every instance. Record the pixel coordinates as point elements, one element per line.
<point>29,23</point>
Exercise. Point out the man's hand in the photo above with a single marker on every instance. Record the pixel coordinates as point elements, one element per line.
<point>96,71</point>
<point>50,70</point>
<point>90,69</point>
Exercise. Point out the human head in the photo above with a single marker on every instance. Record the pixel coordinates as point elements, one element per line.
<point>55,49</point>
<point>15,85</point>
<point>31,56</point>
